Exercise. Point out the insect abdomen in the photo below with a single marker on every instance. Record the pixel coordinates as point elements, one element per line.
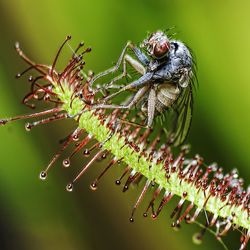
<point>167,93</point>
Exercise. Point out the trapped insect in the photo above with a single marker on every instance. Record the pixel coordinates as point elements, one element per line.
<point>167,70</point>
<point>200,188</point>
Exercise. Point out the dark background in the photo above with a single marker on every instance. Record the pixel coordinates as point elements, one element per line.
<point>38,215</point>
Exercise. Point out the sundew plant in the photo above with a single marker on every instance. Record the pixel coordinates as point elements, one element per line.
<point>202,189</point>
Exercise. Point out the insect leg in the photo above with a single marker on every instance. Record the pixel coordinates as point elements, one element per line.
<point>131,61</point>
<point>134,63</point>
<point>137,97</point>
<point>116,126</point>
<point>112,69</point>
<point>151,106</point>
<point>138,66</point>
<point>140,82</point>
<point>140,55</point>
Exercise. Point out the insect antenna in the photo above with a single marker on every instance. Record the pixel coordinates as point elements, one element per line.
<point>169,32</point>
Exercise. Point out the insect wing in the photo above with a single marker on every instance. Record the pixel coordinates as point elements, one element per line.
<point>184,111</point>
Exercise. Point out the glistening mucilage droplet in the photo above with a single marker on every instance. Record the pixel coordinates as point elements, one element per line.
<point>69,187</point>
<point>43,175</point>
<point>66,163</point>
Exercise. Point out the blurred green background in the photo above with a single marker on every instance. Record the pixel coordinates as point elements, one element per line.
<point>38,215</point>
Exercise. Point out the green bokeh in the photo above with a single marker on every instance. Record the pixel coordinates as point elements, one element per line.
<point>36,215</point>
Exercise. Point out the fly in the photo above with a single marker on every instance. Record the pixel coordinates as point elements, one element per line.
<point>167,70</point>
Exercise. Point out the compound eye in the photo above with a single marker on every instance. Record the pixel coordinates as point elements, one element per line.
<point>161,49</point>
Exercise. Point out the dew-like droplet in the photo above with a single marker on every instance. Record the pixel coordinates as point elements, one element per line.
<point>145,215</point>
<point>88,49</point>
<point>66,162</point>
<point>117,182</point>
<point>28,126</point>
<point>175,226</point>
<point>86,152</point>
<point>75,137</point>
<point>35,96</point>
<point>187,218</point>
<point>93,186</point>
<point>131,219</point>
<point>3,121</point>
<point>90,73</point>
<point>153,216</point>
<point>43,175</point>
<point>197,239</point>
<point>17,46</point>
<point>69,187</point>
<point>46,97</point>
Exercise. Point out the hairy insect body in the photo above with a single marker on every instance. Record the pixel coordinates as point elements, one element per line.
<point>178,67</point>
<point>172,76</point>
<point>166,81</point>
<point>166,94</point>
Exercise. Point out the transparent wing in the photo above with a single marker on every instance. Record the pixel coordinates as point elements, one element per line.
<point>176,120</point>
<point>184,111</point>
